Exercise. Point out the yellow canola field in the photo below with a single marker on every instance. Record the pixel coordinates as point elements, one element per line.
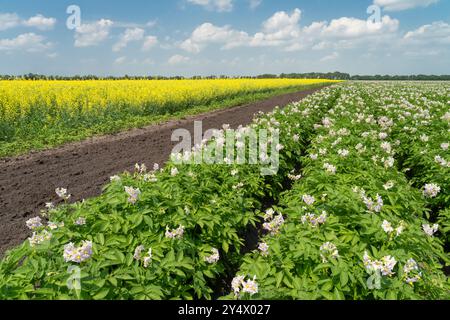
<point>20,98</point>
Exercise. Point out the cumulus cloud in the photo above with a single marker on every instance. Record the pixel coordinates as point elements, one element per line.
<point>214,5</point>
<point>12,20</point>
<point>283,30</point>
<point>278,28</point>
<point>208,33</point>
<point>92,34</point>
<point>354,28</point>
<point>254,4</point>
<point>149,43</point>
<point>130,35</point>
<point>330,57</point>
<point>8,21</point>
<point>120,60</point>
<point>177,59</point>
<point>438,32</point>
<point>53,55</point>
<point>28,42</point>
<point>40,22</point>
<point>151,23</point>
<point>275,31</point>
<point>400,5</point>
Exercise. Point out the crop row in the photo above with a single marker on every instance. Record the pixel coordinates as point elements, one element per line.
<point>165,233</point>
<point>353,227</point>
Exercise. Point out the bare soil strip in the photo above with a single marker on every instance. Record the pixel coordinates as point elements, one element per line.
<point>28,182</point>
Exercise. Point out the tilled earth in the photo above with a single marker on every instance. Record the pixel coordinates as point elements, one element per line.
<point>28,182</point>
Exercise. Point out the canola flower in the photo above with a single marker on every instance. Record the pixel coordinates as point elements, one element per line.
<point>53,99</point>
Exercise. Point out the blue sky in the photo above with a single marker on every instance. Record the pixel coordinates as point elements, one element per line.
<point>232,37</point>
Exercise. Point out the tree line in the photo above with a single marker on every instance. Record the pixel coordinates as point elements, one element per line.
<point>311,75</point>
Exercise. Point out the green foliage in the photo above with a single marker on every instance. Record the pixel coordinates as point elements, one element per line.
<point>374,215</point>
<point>297,267</point>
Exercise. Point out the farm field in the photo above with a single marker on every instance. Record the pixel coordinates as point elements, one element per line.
<point>85,167</point>
<point>36,115</point>
<point>358,210</point>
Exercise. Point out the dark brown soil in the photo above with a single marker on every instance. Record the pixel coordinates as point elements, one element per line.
<point>28,182</point>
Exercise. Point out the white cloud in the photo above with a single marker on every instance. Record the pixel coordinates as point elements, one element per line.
<point>120,60</point>
<point>353,28</point>
<point>400,5</point>
<point>40,22</point>
<point>255,4</point>
<point>135,34</point>
<point>12,20</point>
<point>283,30</point>
<point>215,5</point>
<point>53,55</point>
<point>330,57</point>
<point>208,33</point>
<point>278,28</point>
<point>91,34</point>
<point>321,45</point>
<point>149,43</point>
<point>438,32</point>
<point>190,46</point>
<point>345,33</point>
<point>8,21</point>
<point>177,59</point>
<point>148,61</point>
<point>151,23</point>
<point>420,53</point>
<point>29,42</point>
<point>126,62</point>
<point>282,20</point>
